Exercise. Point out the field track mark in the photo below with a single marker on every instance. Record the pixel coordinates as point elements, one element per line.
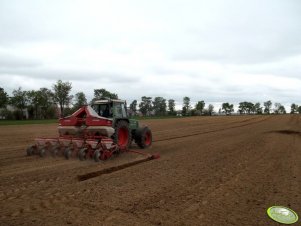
<point>288,132</point>
<point>112,169</point>
<point>212,131</point>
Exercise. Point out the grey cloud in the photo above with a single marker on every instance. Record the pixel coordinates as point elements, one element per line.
<point>243,52</point>
<point>29,21</point>
<point>289,68</point>
<point>248,37</point>
<point>71,75</point>
<point>245,33</point>
<point>9,61</point>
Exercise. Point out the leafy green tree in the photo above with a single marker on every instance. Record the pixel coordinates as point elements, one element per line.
<point>267,106</point>
<point>133,107</point>
<point>145,105</point>
<point>250,108</point>
<point>242,107</point>
<point>34,99</point>
<point>62,94</point>
<point>159,106</point>
<point>227,108</point>
<point>47,103</point>
<point>3,98</point>
<point>246,107</point>
<point>186,106</point>
<point>103,93</point>
<point>171,107</point>
<point>299,109</point>
<point>19,100</point>
<point>294,108</point>
<point>80,100</point>
<point>258,108</point>
<point>200,105</point>
<point>282,110</point>
<point>41,104</point>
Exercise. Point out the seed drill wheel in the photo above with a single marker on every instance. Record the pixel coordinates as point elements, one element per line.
<point>82,155</point>
<point>42,152</point>
<point>30,150</point>
<point>54,151</point>
<point>68,153</point>
<point>143,137</point>
<point>123,136</point>
<point>96,155</point>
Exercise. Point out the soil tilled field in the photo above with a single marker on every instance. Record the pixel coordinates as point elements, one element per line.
<point>212,171</point>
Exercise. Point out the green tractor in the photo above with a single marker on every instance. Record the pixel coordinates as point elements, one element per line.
<point>126,129</point>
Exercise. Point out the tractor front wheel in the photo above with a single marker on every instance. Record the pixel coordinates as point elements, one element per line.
<point>123,136</point>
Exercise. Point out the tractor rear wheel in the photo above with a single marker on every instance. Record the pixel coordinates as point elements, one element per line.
<point>123,136</point>
<point>143,137</point>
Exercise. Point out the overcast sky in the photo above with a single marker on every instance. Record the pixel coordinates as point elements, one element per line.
<point>214,50</point>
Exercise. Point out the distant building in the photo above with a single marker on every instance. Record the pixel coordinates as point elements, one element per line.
<point>179,113</point>
<point>12,109</point>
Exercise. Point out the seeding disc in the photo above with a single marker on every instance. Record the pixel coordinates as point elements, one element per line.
<point>282,214</point>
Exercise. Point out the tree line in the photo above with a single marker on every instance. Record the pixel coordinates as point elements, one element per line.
<point>48,103</point>
<point>160,106</point>
<point>40,104</point>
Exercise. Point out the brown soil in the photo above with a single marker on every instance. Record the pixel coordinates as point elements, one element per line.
<point>212,171</point>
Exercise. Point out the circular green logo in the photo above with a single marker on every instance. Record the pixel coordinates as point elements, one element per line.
<point>282,214</point>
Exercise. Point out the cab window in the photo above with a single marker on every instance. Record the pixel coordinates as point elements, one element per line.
<point>123,110</point>
<point>120,111</point>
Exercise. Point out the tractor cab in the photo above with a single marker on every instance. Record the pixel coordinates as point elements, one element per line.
<point>110,108</point>
<point>126,129</point>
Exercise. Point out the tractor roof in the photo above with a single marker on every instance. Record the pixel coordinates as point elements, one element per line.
<point>108,100</point>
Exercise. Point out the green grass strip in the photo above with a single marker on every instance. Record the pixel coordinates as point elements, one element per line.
<point>27,122</point>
